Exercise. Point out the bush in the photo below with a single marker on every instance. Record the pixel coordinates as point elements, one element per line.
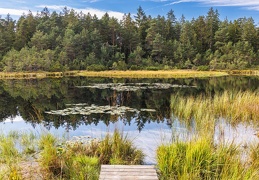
<point>135,67</point>
<point>96,67</point>
<point>203,68</point>
<point>152,68</point>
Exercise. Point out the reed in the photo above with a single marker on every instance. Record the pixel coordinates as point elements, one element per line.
<point>152,74</point>
<point>233,106</point>
<point>82,161</point>
<point>9,156</point>
<point>118,149</point>
<point>29,75</point>
<point>201,159</point>
<point>114,74</point>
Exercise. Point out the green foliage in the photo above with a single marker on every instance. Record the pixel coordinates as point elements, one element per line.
<point>96,67</point>
<point>200,159</point>
<point>135,67</point>
<point>74,41</point>
<point>152,68</point>
<point>203,68</point>
<point>117,149</point>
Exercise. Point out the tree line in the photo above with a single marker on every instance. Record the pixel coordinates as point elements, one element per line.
<point>76,41</point>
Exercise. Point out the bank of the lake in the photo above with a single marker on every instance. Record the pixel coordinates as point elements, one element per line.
<point>115,74</point>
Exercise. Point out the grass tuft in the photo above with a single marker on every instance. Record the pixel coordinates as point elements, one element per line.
<point>201,159</point>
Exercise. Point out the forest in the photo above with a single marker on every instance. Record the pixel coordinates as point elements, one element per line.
<point>68,40</point>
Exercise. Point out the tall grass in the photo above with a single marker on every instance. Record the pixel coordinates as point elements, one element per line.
<point>233,106</point>
<point>82,161</point>
<point>56,158</point>
<point>201,159</point>
<point>152,74</point>
<point>115,74</point>
<point>118,149</point>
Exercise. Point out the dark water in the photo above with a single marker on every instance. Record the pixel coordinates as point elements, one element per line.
<point>24,103</point>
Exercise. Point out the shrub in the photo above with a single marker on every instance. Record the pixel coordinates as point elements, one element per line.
<point>135,67</point>
<point>96,67</point>
<point>152,68</point>
<point>203,68</point>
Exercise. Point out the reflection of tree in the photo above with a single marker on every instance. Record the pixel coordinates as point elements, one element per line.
<point>31,98</point>
<point>7,106</point>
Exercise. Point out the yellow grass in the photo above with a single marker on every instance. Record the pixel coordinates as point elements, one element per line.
<point>152,74</point>
<point>128,74</point>
<point>114,74</point>
<point>34,75</point>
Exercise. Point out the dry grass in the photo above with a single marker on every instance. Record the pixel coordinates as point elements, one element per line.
<point>128,74</point>
<point>29,75</point>
<point>114,74</point>
<point>244,72</point>
<point>152,74</point>
<point>235,107</point>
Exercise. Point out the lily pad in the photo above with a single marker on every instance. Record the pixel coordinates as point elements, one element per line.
<point>94,109</point>
<point>134,86</point>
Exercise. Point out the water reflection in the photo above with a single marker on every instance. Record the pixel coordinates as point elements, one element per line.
<point>27,101</point>
<point>30,99</point>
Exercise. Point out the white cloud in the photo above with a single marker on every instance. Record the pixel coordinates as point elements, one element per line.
<point>14,12</point>
<point>250,4</point>
<point>99,13</point>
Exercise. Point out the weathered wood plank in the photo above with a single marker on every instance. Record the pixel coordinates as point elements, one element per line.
<point>129,166</point>
<point>128,172</point>
<point>128,178</point>
<point>125,173</point>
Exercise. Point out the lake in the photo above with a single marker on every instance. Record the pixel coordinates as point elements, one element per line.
<point>140,108</point>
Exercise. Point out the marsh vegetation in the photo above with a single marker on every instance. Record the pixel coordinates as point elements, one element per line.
<point>188,111</point>
<point>57,158</point>
<point>201,156</point>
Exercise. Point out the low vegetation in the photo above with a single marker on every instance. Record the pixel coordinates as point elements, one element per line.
<point>59,159</point>
<point>114,74</point>
<point>234,106</point>
<point>201,159</point>
<point>200,156</point>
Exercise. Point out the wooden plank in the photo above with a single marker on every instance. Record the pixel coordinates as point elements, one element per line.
<point>120,173</point>
<point>128,172</point>
<point>128,178</point>
<point>129,166</point>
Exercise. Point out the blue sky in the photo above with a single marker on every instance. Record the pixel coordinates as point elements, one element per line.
<point>232,9</point>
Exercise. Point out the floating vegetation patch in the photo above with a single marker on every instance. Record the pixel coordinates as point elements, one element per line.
<point>134,86</point>
<point>81,109</point>
<point>86,140</point>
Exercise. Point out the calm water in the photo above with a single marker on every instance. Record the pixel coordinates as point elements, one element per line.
<point>59,106</point>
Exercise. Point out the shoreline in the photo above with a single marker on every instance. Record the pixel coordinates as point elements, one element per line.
<point>113,74</point>
<point>127,74</point>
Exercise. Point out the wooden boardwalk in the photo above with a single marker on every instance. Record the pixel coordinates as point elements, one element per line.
<point>128,172</point>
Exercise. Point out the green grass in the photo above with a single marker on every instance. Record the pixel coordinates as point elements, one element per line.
<point>118,149</point>
<point>60,159</point>
<point>233,106</point>
<point>201,159</point>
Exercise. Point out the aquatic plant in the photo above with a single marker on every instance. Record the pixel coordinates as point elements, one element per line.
<point>81,158</point>
<point>152,74</point>
<point>201,159</point>
<point>118,149</point>
<point>133,86</point>
<point>233,106</point>
<point>85,110</point>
